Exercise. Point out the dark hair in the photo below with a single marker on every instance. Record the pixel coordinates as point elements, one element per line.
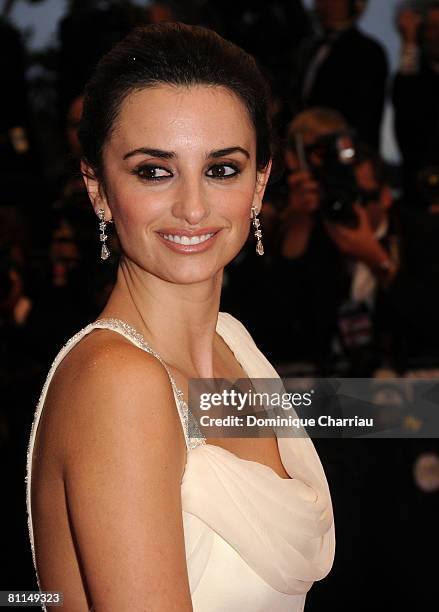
<point>174,54</point>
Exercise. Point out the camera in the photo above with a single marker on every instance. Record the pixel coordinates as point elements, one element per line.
<point>331,160</point>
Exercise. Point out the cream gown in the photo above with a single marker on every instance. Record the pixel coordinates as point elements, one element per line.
<point>255,542</point>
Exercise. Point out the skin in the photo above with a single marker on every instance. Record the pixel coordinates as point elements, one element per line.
<point>304,190</point>
<point>409,23</point>
<point>376,211</point>
<point>303,196</point>
<point>132,431</point>
<point>361,242</point>
<point>333,14</point>
<point>173,298</point>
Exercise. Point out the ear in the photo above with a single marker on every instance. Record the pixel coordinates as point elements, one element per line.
<point>262,177</point>
<point>95,190</point>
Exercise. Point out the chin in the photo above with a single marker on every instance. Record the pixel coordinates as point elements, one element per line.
<point>187,273</point>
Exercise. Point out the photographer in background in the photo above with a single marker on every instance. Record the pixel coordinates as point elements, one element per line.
<point>338,248</point>
<point>340,67</point>
<point>416,94</point>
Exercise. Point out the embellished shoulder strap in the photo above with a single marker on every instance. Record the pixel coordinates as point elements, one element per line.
<point>188,422</point>
<point>121,327</point>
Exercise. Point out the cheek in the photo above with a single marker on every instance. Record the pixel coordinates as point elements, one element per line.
<point>235,202</point>
<point>235,210</point>
<point>237,205</point>
<point>133,206</point>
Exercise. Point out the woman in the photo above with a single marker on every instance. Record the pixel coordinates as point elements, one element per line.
<point>128,511</point>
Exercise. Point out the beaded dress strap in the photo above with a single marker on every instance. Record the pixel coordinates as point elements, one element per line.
<point>188,422</point>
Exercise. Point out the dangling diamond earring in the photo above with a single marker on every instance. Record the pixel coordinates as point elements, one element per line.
<point>105,253</point>
<point>258,232</point>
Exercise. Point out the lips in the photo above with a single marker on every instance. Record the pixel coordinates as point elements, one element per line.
<point>182,241</point>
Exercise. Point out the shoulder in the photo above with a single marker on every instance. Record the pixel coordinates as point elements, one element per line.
<point>103,359</point>
<point>123,463</point>
<point>105,388</point>
<point>368,44</point>
<point>102,344</point>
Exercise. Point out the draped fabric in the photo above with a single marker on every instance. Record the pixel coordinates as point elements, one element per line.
<point>254,541</point>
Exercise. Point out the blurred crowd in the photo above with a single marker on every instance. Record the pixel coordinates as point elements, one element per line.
<point>348,283</point>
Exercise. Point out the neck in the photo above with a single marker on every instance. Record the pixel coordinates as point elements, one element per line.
<point>177,320</point>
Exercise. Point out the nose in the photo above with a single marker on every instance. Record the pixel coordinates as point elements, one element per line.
<point>191,204</point>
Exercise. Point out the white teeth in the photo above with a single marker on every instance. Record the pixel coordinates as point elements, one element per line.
<point>186,239</point>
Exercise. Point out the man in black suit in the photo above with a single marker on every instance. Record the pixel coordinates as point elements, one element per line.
<point>339,67</point>
<point>416,94</point>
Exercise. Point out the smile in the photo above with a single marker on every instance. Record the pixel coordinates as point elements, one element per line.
<point>183,243</point>
<point>187,240</point>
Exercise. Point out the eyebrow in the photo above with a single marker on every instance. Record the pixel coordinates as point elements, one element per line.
<point>228,151</point>
<point>171,155</point>
<point>152,152</point>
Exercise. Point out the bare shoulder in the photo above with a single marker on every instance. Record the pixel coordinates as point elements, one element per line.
<point>123,463</point>
<point>106,382</point>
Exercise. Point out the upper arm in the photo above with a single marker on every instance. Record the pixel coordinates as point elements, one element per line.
<point>122,469</point>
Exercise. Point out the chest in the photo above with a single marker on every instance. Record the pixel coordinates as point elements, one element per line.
<point>262,450</point>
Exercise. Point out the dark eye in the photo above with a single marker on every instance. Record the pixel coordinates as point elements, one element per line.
<point>152,173</point>
<point>222,171</point>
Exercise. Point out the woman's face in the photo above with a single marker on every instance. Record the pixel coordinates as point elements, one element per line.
<point>180,180</point>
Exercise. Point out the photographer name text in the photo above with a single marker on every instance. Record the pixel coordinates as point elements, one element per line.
<point>288,421</point>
